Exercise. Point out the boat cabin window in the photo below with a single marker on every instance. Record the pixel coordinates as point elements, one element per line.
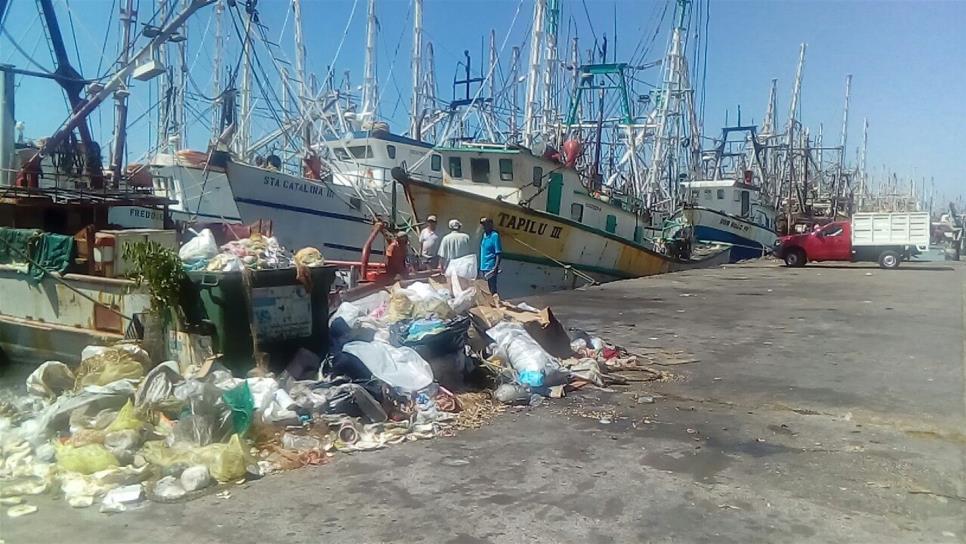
<point>694,195</point>
<point>455,167</point>
<point>745,203</point>
<point>707,194</point>
<point>506,169</point>
<point>391,151</point>
<point>577,212</point>
<point>361,151</point>
<point>720,194</point>
<point>355,203</point>
<point>639,234</point>
<point>341,154</point>
<point>480,170</point>
<point>436,163</point>
<point>537,176</point>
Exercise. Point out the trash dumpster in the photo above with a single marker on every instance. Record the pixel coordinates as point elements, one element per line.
<point>270,312</point>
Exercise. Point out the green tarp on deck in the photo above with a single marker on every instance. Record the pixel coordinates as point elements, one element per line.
<point>35,252</point>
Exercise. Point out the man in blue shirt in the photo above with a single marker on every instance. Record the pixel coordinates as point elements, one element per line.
<point>491,253</point>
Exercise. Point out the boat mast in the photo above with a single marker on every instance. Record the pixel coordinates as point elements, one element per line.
<point>245,93</point>
<point>369,88</point>
<point>216,69</point>
<point>181,112</point>
<point>768,126</point>
<point>863,189</point>
<point>533,77</point>
<point>550,69</point>
<point>303,98</point>
<point>838,184</point>
<point>675,93</point>
<point>416,116</point>
<point>790,130</point>
<point>120,96</point>
<point>514,94</point>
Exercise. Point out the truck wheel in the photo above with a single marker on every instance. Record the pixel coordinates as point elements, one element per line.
<point>795,258</point>
<point>889,259</point>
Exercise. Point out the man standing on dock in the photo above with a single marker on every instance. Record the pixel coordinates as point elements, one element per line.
<point>491,253</point>
<point>454,245</point>
<point>429,245</point>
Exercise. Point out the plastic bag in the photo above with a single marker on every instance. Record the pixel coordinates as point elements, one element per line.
<point>225,462</point>
<point>464,267</point>
<point>127,419</point>
<point>401,368</point>
<point>50,379</point>
<point>400,307</point>
<point>169,488</point>
<point>202,246</point>
<point>519,348</point>
<point>108,366</point>
<point>85,459</point>
<point>195,477</point>
<point>464,301</point>
<point>92,397</point>
<point>158,386</point>
<point>427,301</point>
<point>242,406</point>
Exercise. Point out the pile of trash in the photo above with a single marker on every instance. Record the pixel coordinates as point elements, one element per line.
<point>256,252</point>
<point>408,362</point>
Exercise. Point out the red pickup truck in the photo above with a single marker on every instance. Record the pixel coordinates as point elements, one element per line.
<point>833,242</point>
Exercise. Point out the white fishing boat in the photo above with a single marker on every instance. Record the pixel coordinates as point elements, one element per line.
<point>729,212</point>
<point>335,213</point>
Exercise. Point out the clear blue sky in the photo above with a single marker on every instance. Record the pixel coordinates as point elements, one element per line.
<point>908,59</point>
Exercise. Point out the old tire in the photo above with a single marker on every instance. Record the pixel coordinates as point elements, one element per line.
<point>889,260</point>
<point>795,258</point>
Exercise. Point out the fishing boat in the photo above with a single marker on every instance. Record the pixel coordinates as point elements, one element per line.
<point>334,210</point>
<point>729,212</point>
<point>555,233</point>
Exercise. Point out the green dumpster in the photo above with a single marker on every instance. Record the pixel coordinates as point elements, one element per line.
<point>270,311</point>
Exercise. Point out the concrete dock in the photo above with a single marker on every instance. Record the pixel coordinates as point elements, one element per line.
<point>821,404</point>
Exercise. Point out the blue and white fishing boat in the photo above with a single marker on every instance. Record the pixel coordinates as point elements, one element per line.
<point>730,212</point>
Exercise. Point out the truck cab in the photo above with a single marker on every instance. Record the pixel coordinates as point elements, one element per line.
<point>831,242</point>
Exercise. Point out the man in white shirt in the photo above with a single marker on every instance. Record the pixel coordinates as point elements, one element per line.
<point>454,245</point>
<point>429,244</point>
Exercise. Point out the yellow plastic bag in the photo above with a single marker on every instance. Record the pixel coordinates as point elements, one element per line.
<point>106,367</point>
<point>226,462</point>
<point>127,419</point>
<point>84,459</point>
<point>400,307</point>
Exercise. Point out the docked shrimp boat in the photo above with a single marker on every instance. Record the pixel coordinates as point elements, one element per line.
<point>729,212</point>
<point>555,233</point>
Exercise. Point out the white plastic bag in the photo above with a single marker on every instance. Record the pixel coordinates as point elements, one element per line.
<point>465,267</point>
<point>202,246</point>
<point>348,312</point>
<point>427,301</point>
<point>50,379</point>
<point>524,353</point>
<point>460,272</point>
<point>463,302</point>
<point>401,368</point>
